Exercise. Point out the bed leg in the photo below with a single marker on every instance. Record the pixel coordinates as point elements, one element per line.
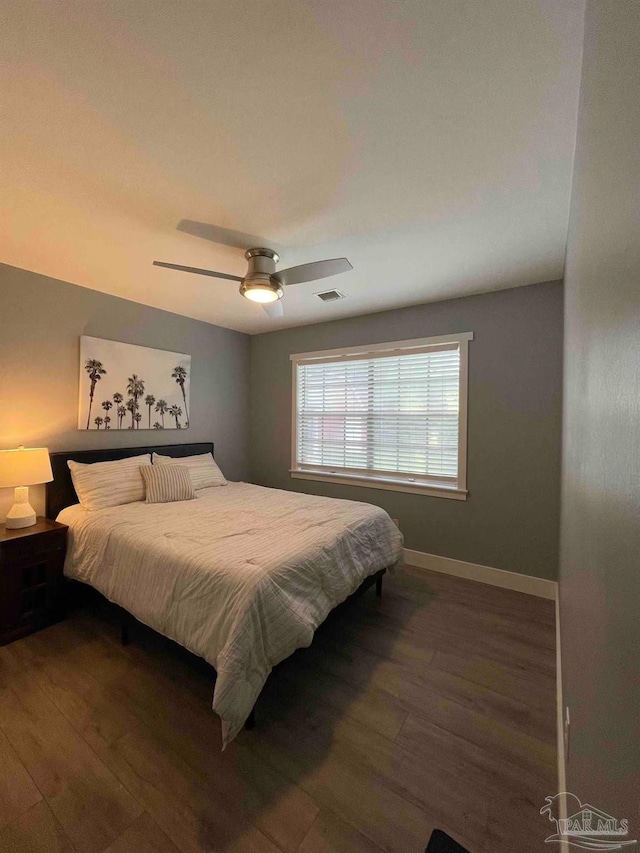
<point>379,586</point>
<point>124,629</point>
<point>250,722</point>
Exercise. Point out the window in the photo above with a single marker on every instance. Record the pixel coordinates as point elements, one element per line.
<point>387,416</point>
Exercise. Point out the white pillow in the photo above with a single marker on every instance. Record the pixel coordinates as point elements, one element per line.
<point>102,484</point>
<point>167,483</point>
<point>204,471</point>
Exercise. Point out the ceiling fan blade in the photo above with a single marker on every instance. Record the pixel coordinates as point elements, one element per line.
<point>224,236</point>
<point>312,271</point>
<point>274,309</point>
<point>198,271</point>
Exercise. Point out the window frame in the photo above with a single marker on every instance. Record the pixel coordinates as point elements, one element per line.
<point>416,484</point>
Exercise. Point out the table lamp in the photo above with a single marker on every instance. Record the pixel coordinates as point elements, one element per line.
<point>21,468</point>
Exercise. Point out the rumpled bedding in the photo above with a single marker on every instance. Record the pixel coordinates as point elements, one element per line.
<point>242,575</point>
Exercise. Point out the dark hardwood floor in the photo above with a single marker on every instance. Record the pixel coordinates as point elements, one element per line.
<point>431,707</point>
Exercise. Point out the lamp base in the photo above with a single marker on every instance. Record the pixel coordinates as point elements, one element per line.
<point>21,514</point>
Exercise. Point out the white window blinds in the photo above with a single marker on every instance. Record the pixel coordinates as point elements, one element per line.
<point>386,414</point>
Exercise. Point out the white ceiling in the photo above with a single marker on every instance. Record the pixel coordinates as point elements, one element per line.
<point>429,141</point>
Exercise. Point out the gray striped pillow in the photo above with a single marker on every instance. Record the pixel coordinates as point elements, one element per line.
<point>204,471</point>
<point>102,484</point>
<point>167,483</point>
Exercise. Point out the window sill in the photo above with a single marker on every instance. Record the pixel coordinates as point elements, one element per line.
<point>431,489</point>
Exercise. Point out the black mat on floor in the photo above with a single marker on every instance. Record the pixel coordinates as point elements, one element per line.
<point>440,842</point>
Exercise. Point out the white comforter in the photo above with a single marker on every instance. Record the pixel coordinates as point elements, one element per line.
<point>242,576</point>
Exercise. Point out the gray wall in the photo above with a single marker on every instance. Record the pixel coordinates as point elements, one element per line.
<point>600,555</point>
<point>41,320</point>
<point>511,518</point>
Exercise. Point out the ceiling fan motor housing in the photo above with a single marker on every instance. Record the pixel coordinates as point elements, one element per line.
<point>262,260</point>
<point>262,265</point>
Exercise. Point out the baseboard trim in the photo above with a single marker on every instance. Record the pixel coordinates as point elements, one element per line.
<point>541,587</point>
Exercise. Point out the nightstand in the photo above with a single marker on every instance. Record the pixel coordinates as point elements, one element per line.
<point>31,563</point>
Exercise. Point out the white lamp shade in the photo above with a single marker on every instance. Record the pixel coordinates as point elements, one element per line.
<point>25,466</point>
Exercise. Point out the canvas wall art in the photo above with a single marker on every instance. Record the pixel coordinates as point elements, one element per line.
<point>123,386</point>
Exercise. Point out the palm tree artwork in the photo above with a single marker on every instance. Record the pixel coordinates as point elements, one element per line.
<point>132,407</point>
<point>135,387</point>
<point>117,399</point>
<point>161,408</point>
<point>149,400</point>
<point>96,371</point>
<point>176,412</point>
<point>133,378</point>
<point>180,375</point>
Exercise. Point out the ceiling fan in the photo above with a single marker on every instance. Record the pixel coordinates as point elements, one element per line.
<point>262,283</point>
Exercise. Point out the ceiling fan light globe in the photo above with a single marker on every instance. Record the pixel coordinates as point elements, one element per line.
<point>260,294</point>
<point>261,291</point>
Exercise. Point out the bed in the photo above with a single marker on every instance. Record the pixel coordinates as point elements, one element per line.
<point>242,576</point>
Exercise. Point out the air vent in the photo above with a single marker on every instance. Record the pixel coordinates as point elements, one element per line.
<point>330,295</point>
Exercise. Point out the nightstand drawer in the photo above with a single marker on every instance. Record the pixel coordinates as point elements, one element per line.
<point>30,595</point>
<point>25,551</point>
<point>31,578</point>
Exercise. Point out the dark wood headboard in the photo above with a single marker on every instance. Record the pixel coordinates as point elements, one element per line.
<point>61,493</point>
